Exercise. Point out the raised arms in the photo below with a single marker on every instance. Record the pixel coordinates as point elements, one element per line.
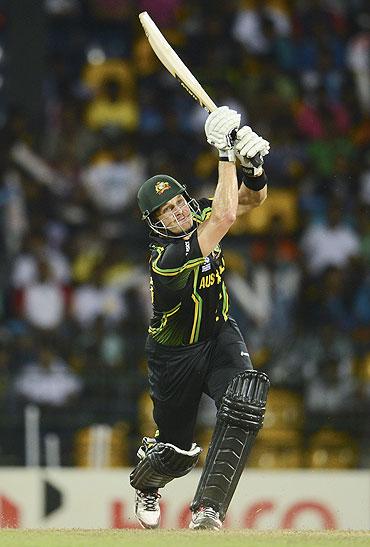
<point>220,127</point>
<point>222,132</point>
<point>253,190</point>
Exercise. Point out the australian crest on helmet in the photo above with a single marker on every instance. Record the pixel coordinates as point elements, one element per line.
<point>161,186</point>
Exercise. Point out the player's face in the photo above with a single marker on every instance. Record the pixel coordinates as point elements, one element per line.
<point>176,215</point>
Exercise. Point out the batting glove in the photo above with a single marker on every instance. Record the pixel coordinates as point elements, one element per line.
<point>220,128</point>
<point>247,145</point>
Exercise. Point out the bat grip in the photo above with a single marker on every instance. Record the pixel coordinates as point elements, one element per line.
<point>257,160</point>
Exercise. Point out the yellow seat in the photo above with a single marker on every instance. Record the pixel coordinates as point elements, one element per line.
<point>203,438</point>
<point>100,445</point>
<point>284,410</point>
<point>281,201</point>
<point>277,449</point>
<point>95,75</point>
<point>147,426</point>
<point>330,449</point>
<point>362,370</point>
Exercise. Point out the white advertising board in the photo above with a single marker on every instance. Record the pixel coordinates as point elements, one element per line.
<point>80,498</point>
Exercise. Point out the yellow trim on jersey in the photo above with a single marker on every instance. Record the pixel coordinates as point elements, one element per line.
<point>197,310</point>
<point>175,271</point>
<point>204,215</point>
<point>196,315</point>
<point>225,305</point>
<point>165,316</point>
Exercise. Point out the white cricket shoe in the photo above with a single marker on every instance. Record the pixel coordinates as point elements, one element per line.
<point>205,518</point>
<point>147,508</point>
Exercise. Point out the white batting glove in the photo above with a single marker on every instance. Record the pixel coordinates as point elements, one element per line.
<point>247,145</point>
<point>219,127</point>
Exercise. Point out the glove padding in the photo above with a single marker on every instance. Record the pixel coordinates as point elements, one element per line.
<point>219,127</point>
<point>247,145</point>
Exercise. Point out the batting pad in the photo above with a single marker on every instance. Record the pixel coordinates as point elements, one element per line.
<point>163,463</point>
<point>239,419</point>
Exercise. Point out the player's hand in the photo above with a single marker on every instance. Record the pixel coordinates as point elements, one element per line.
<point>247,145</point>
<point>219,128</point>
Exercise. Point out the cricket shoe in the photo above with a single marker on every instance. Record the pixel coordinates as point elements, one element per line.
<point>147,509</point>
<point>205,518</point>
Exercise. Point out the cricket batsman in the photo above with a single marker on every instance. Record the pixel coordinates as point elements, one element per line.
<point>194,346</point>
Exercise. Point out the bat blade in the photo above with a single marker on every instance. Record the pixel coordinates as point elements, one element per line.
<point>174,64</point>
<point>179,70</point>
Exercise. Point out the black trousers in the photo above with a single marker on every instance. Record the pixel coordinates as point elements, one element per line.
<point>179,375</point>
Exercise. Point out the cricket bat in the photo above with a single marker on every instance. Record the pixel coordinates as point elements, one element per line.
<point>178,69</point>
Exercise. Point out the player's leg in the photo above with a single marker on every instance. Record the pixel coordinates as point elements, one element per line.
<point>170,455</point>
<point>240,394</point>
<point>176,379</point>
<point>239,419</point>
<point>159,464</point>
<point>230,356</point>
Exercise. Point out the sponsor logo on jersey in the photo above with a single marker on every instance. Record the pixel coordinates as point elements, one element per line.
<point>187,247</point>
<point>207,264</point>
<point>162,186</point>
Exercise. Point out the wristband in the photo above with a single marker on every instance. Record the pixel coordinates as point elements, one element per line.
<point>227,155</point>
<point>254,183</point>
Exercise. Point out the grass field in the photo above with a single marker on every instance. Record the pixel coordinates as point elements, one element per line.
<point>179,538</point>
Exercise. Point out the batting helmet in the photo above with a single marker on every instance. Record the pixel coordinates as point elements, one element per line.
<point>156,191</point>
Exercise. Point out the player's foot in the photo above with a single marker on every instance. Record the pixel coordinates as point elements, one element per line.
<point>147,508</point>
<point>205,518</point>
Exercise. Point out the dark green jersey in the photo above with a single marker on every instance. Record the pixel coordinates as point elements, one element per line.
<point>189,297</point>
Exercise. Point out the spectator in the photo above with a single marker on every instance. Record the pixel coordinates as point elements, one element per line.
<point>330,307</point>
<point>5,377</point>
<point>35,249</point>
<point>97,299</point>
<point>268,295</point>
<point>112,183</point>
<point>44,303</point>
<point>358,301</point>
<point>330,244</point>
<point>316,111</point>
<point>363,220</point>
<point>329,392</point>
<point>47,381</point>
<point>250,25</point>
<point>357,58</point>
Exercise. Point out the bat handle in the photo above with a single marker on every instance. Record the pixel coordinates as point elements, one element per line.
<point>257,160</point>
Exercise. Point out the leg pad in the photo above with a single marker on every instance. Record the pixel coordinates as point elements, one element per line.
<point>161,464</point>
<point>239,419</point>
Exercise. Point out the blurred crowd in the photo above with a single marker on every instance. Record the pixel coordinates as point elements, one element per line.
<point>74,300</point>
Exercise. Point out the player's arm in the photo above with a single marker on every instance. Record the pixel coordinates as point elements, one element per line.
<point>219,127</point>
<point>253,190</point>
<point>250,198</point>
